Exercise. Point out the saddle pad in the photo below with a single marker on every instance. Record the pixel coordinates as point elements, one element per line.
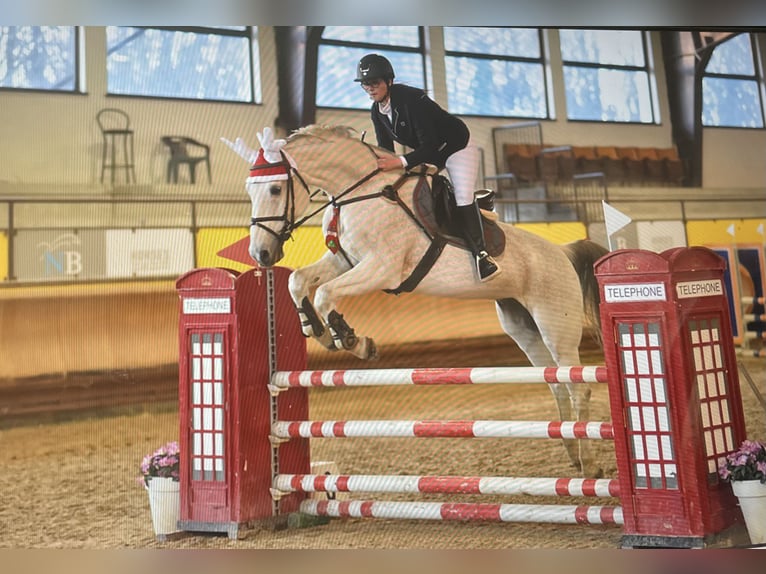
<point>432,212</point>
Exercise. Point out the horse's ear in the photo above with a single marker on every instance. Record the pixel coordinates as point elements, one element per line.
<point>271,146</point>
<point>242,149</point>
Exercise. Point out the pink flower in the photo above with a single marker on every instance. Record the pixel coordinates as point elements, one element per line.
<point>165,462</point>
<point>746,463</point>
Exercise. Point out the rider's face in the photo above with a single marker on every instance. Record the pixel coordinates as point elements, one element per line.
<point>376,88</point>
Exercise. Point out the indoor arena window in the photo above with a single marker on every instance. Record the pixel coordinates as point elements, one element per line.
<point>341,48</point>
<point>731,86</point>
<point>496,72</point>
<point>194,63</point>
<point>608,76</point>
<point>40,58</point>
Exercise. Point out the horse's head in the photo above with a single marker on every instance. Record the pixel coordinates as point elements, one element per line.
<point>275,203</point>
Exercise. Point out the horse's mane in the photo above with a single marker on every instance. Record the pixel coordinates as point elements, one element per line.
<point>322,131</point>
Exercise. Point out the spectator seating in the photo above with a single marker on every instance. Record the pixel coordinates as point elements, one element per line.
<point>626,166</point>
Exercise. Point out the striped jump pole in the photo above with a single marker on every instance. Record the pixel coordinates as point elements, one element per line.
<point>752,317</point>
<point>412,484</point>
<point>464,512</point>
<point>753,300</point>
<point>436,376</point>
<point>442,429</point>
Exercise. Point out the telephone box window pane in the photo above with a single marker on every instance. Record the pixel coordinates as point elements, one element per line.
<point>652,447</point>
<point>667,448</point>
<point>197,448</point>
<point>195,344</point>
<point>649,422</point>
<point>196,393</point>
<point>638,448</point>
<point>646,390</point>
<point>627,360</point>
<point>218,344</point>
<point>207,344</point>
<point>207,444</point>
<point>720,443</point>
<point>657,362</point>
<point>642,362</point>
<point>196,368</point>
<point>207,419</point>
<point>207,368</point>
<point>635,419</point>
<point>207,393</point>
<point>217,369</point>
<point>219,444</point>
<point>671,476</point>
<point>654,335</point>
<point>663,420</point>
<point>218,393</point>
<point>632,391</point>
<point>197,419</point>
<point>219,420</point>
<point>715,412</point>
<point>725,408</point>
<point>705,416</point>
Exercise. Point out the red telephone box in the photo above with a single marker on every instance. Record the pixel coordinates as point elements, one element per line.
<point>228,349</point>
<point>675,398</point>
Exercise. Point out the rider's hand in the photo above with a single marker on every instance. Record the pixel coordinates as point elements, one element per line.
<point>389,162</point>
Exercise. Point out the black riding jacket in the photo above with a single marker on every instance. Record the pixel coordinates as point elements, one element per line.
<point>421,124</point>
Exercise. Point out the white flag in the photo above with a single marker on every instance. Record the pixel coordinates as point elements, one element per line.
<point>759,229</point>
<point>613,219</point>
<point>730,230</point>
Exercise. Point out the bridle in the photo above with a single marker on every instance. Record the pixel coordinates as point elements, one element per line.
<point>289,223</point>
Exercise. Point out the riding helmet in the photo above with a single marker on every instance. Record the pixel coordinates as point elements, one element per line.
<point>372,67</point>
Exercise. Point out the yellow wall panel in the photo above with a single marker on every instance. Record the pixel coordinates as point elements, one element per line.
<point>306,246</point>
<point>3,256</point>
<point>560,233</point>
<point>715,232</point>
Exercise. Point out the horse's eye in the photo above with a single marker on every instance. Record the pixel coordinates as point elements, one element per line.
<point>275,189</point>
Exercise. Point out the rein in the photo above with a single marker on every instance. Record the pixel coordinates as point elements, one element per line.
<point>288,216</point>
<point>289,224</point>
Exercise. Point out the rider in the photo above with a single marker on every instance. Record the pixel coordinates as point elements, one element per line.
<point>408,116</point>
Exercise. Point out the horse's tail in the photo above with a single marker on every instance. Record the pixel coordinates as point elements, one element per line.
<point>583,254</point>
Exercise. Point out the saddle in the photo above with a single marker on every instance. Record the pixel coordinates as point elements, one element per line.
<point>435,208</point>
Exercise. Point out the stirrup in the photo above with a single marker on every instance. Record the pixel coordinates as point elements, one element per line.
<point>485,198</point>
<point>487,267</point>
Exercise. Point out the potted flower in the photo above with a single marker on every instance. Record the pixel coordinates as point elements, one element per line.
<point>160,474</point>
<point>745,468</point>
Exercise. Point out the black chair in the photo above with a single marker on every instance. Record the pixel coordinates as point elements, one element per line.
<point>116,133</point>
<point>188,151</point>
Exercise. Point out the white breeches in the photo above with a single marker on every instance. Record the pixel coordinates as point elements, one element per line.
<point>463,169</point>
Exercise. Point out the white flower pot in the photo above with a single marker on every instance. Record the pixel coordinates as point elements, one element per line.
<point>752,501</point>
<point>165,504</point>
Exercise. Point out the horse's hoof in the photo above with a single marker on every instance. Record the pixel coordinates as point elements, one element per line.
<point>372,351</point>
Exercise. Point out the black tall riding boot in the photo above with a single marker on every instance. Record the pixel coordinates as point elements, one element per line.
<point>470,218</point>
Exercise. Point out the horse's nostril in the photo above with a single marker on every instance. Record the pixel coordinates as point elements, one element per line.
<point>264,258</point>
